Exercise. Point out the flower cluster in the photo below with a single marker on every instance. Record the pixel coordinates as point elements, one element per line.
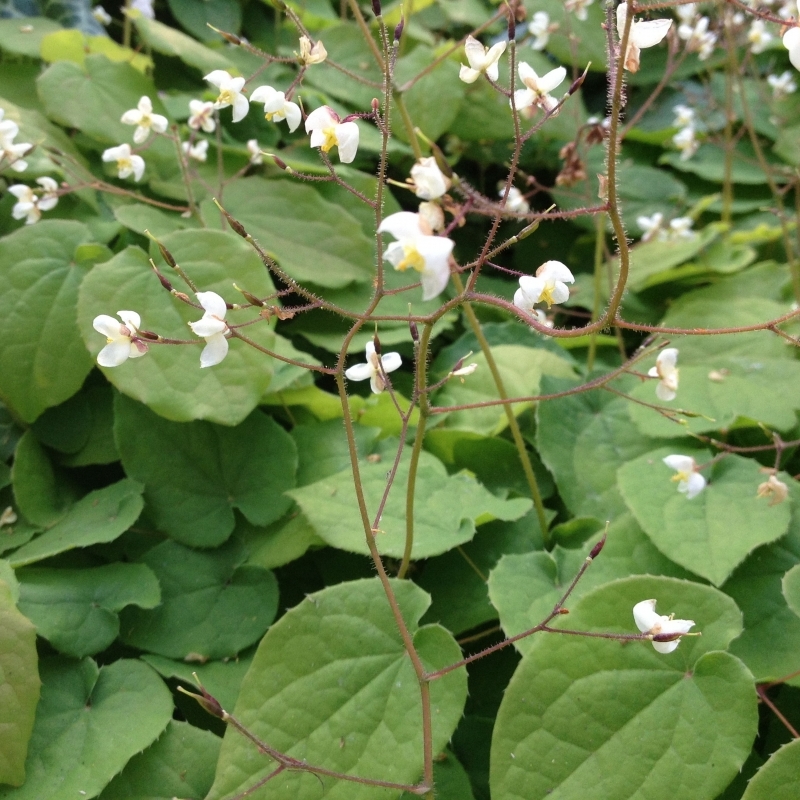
<point>694,31</point>
<point>686,138</point>
<point>654,229</point>
<point>31,202</point>
<point>13,153</point>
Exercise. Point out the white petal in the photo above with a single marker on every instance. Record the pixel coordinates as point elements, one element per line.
<point>644,615</point>
<point>555,271</point>
<point>137,163</point>
<point>653,372</point>
<point>114,353</point>
<point>679,463</point>
<point>263,94</point>
<point>522,301</point>
<point>665,392</point>
<point>140,134</point>
<point>695,485</point>
<point>215,350</point>
<point>394,254</point>
<point>359,372</point>
<point>131,117</point>
<point>527,74</point>
<point>649,33</point>
<point>207,326</point>
<point>667,359</point>
<point>434,280</point>
<point>158,123</point>
<point>321,118</point>
<point>241,105</point>
<point>622,16</point>
<point>791,41</point>
<point>347,140</point>
<point>402,225</point>
<point>106,325</point>
<point>218,77</point>
<point>131,319</point>
<point>523,98</point>
<point>475,52</point>
<point>666,647</point>
<point>468,75</point>
<point>552,79</point>
<point>391,362</point>
<point>560,293</point>
<point>212,303</point>
<point>293,116</point>
<point>532,287</point>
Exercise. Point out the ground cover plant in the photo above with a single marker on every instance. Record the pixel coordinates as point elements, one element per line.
<point>399,399</point>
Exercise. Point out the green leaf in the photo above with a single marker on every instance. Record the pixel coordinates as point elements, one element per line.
<point>331,683</point>
<point>577,433</point>
<point>714,531</point>
<point>777,779</point>
<point>312,239</point>
<point>75,609</point>
<point>13,39</point>
<point>73,45</point>
<point>42,498</point>
<point>43,361</point>
<point>446,507</point>
<point>524,588</point>
<point>709,163</point>
<point>210,606</point>
<point>196,17</point>
<point>521,369</point>
<point>169,42</point>
<point>139,217</point>
<point>169,378</point>
<point>586,718</point>
<point>197,473</point>
<point>19,688</point>
<point>100,447</point>
<point>450,778</point>
<point>791,589</point>
<point>100,516</point>
<point>89,723</point>
<point>279,543</point>
<point>180,763</point>
<point>94,97</point>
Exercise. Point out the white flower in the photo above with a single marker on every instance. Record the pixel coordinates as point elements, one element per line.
<point>201,115</point>
<point>230,93</point>
<point>277,107</point>
<point>101,15</point>
<point>122,338</point>
<point>328,131</point>
<point>758,36</point>
<point>690,481</point>
<point>549,286</point>
<point>698,38</point>
<point>432,215</point>
<point>8,150</point>
<point>686,141</point>
<point>578,7</point>
<point>415,248</point>
<point>429,181</point>
<point>372,369</point>
<point>255,151</point>
<point>684,116</point>
<point>198,151</point>
<point>462,372</point>
<point>515,202</point>
<point>311,55</point>
<point>652,226</point>
<point>537,89</point>
<point>647,621</point>
<point>539,29</point>
<point>791,41</point>
<point>667,372</point>
<point>127,163</point>
<point>8,517</point>
<point>642,34</point>
<point>481,59</point>
<point>212,327</point>
<point>681,228</point>
<point>782,85</point>
<point>143,117</point>
<point>145,7</point>
<point>31,202</point>
<point>686,13</point>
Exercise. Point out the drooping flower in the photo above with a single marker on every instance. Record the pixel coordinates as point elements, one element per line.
<point>277,107</point>
<point>681,228</point>
<point>212,327</point>
<point>647,621</point>
<point>690,481</point>
<point>652,226</point>
<point>198,151</point>
<point>782,85</point>
<point>373,368</point>
<point>776,490</point>
<point>667,373</point>
<point>643,33</point>
<point>145,120</point>
<point>537,89</point>
<point>549,286</point>
<point>230,93</point>
<point>201,115</point>
<point>578,7</point>
<point>481,59</point>
<point>515,202</point>
<point>8,150</point>
<point>254,150</point>
<point>686,142</point>
<point>101,15</point>
<point>432,215</point>
<point>417,249</point>
<point>122,338</point>
<point>539,29</point>
<point>309,54</point>
<point>127,163</point>
<point>758,36</point>
<point>684,116</point>
<point>686,13</point>
<point>699,39</point>
<point>31,202</point>
<point>429,181</point>
<point>328,131</point>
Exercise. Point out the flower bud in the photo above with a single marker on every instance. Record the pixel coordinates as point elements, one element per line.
<point>398,31</point>
<point>280,163</point>
<point>207,701</point>
<point>376,7</point>
<point>377,343</point>
<point>597,548</point>
<point>164,282</point>
<point>229,37</point>
<point>414,330</point>
<point>512,27</point>
<point>167,256</point>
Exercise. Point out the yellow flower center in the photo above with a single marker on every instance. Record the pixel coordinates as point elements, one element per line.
<point>411,258</point>
<point>681,476</point>
<point>124,163</point>
<point>547,294</point>
<point>270,115</point>
<point>330,139</point>
<point>226,96</point>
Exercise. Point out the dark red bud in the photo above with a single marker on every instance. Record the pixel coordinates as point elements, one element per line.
<point>207,701</point>
<point>667,637</point>
<point>167,256</point>
<point>512,27</point>
<point>251,298</point>
<point>236,226</point>
<point>576,84</point>
<point>598,547</point>
<point>377,342</point>
<point>376,106</point>
<point>412,326</point>
<point>398,31</point>
<point>279,162</point>
<point>376,7</point>
<point>153,337</point>
<point>230,37</point>
<point>164,282</point>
